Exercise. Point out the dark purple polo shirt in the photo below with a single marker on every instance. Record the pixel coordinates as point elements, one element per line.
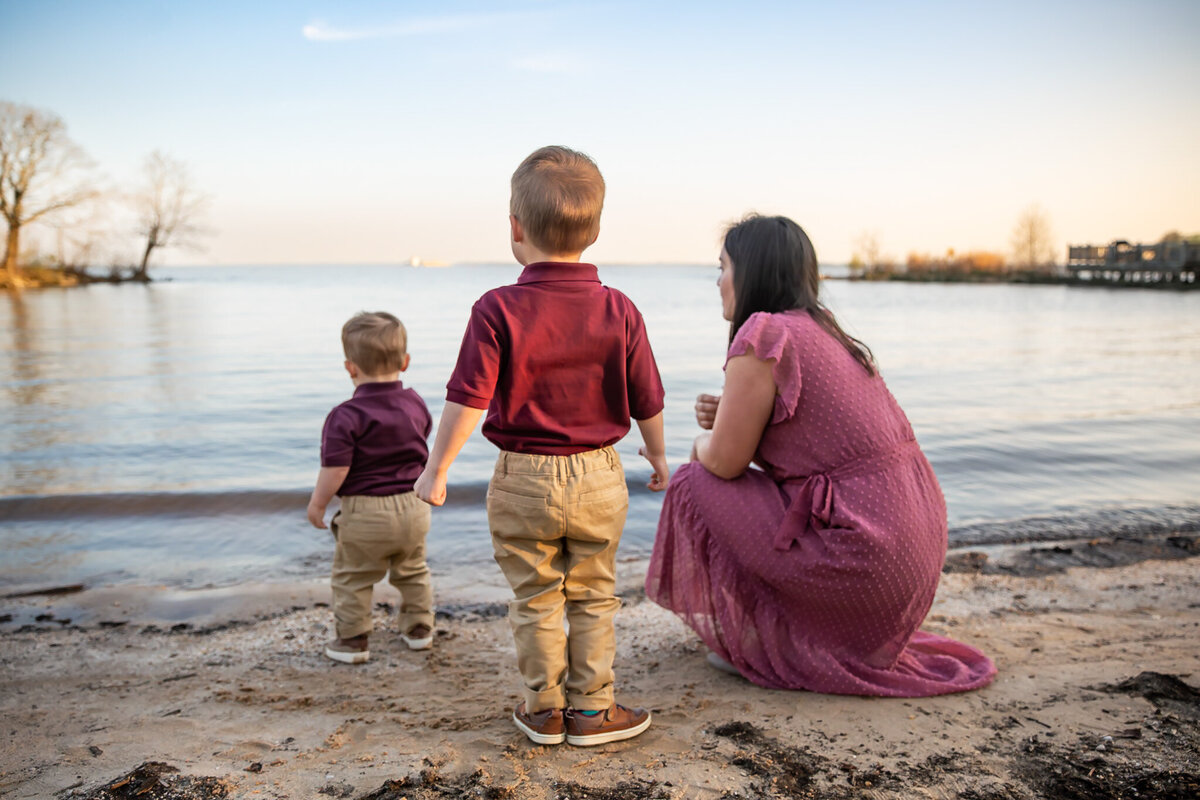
<point>560,361</point>
<point>380,434</point>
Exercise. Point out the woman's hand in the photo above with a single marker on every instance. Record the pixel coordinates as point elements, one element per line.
<point>706,411</point>
<point>742,414</point>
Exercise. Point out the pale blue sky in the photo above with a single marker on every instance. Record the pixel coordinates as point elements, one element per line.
<point>347,132</point>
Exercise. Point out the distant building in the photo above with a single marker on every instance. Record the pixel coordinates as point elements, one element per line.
<point>1173,261</point>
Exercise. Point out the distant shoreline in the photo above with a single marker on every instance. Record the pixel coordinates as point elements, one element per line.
<point>1017,280</point>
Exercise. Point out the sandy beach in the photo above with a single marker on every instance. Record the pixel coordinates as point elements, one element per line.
<point>155,693</point>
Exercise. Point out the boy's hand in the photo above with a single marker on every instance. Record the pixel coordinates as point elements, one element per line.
<point>706,410</point>
<point>329,480</point>
<point>431,487</point>
<point>662,473</point>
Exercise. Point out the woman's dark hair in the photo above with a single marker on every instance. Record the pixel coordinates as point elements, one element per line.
<point>775,269</point>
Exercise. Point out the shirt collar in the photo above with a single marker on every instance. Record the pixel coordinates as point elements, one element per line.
<point>377,387</point>
<point>552,271</point>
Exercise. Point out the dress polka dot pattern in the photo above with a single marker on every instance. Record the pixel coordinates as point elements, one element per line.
<point>816,571</point>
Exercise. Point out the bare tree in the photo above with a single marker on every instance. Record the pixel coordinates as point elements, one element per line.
<point>1032,240</point>
<point>868,257</point>
<point>42,172</point>
<point>867,249</point>
<point>167,208</point>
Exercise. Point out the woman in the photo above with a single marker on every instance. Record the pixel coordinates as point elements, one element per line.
<point>816,570</point>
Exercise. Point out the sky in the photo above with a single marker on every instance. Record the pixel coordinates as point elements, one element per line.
<point>372,132</point>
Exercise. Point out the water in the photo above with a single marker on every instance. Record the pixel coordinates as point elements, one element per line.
<point>169,433</point>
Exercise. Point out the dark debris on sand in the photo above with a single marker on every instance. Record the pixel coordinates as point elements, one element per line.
<point>430,785</point>
<point>1165,765</point>
<point>1068,776</point>
<point>1099,553</point>
<point>779,771</point>
<point>1164,691</point>
<point>625,790</point>
<point>155,780</point>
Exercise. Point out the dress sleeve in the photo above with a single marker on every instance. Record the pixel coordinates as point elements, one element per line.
<point>766,337</point>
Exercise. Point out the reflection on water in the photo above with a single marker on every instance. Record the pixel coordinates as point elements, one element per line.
<point>1030,401</point>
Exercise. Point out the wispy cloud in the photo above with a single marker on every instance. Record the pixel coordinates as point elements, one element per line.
<point>320,31</point>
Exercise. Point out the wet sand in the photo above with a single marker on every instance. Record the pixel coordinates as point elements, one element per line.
<point>154,693</point>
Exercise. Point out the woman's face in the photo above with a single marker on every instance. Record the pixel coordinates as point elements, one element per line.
<point>725,284</point>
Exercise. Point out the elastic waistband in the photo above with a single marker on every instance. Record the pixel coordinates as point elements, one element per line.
<point>383,502</point>
<point>512,463</point>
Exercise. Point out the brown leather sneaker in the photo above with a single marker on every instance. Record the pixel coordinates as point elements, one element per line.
<point>418,637</point>
<point>542,727</point>
<point>349,651</point>
<point>611,725</point>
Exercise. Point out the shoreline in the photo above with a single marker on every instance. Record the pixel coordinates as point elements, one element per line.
<point>239,699</point>
<point>460,588</point>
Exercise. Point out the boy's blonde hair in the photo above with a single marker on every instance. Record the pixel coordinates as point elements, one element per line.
<point>557,195</point>
<point>375,341</point>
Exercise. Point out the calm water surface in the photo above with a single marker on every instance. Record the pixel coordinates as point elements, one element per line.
<point>169,433</point>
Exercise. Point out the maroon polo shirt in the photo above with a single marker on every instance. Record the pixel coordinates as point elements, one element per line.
<point>560,361</point>
<point>380,434</point>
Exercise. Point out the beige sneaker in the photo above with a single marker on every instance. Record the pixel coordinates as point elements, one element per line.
<point>418,637</point>
<point>349,651</point>
<point>611,725</point>
<point>542,727</point>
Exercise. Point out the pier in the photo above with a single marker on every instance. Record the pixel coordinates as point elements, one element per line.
<point>1171,263</point>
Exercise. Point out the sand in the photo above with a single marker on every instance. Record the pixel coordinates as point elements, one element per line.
<point>152,692</point>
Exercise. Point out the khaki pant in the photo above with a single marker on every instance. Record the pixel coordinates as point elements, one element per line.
<point>379,536</point>
<point>556,522</point>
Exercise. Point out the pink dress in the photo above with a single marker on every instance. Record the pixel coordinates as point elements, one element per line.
<point>816,571</point>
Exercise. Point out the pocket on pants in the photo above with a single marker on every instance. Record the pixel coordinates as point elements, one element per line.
<point>611,498</point>
<point>521,515</point>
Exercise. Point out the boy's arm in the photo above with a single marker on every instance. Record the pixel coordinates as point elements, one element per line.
<point>329,480</point>
<point>654,450</point>
<point>454,428</point>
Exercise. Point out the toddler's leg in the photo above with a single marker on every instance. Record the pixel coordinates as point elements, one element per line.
<point>363,535</point>
<point>409,573</point>
<point>597,505</point>
<point>526,522</point>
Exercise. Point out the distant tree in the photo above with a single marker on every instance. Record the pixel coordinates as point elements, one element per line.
<point>1032,240</point>
<point>868,258</point>
<point>42,172</point>
<point>167,207</point>
<point>866,250</point>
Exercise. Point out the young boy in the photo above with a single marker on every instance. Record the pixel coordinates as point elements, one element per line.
<point>372,450</point>
<point>560,363</point>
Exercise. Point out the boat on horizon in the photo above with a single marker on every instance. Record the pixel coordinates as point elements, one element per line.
<point>417,261</point>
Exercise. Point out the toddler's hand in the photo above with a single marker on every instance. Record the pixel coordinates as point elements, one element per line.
<point>706,410</point>
<point>316,516</point>
<point>431,488</point>
<point>662,472</point>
